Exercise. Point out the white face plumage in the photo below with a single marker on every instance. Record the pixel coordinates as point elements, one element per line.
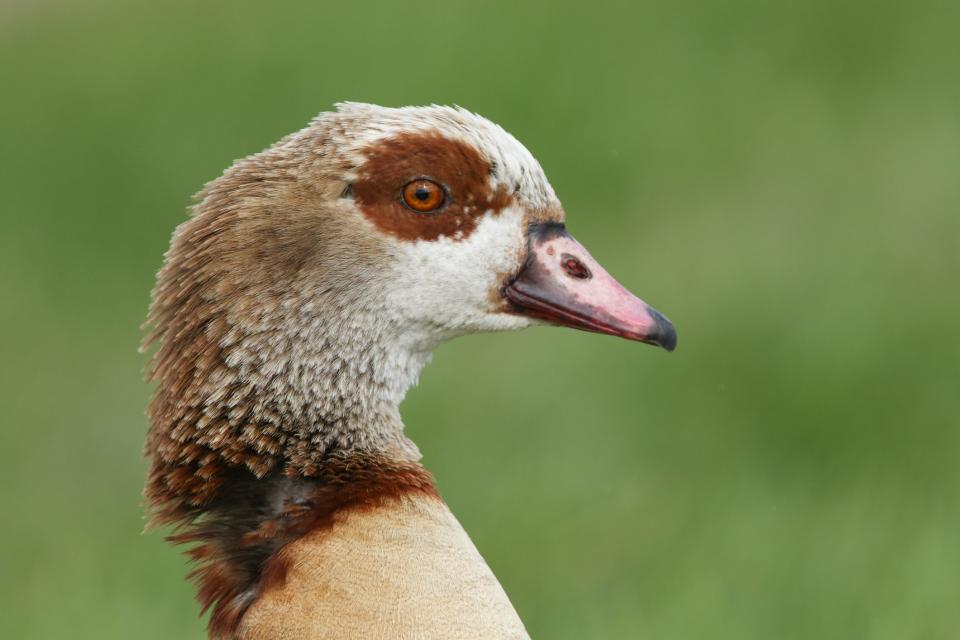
<point>444,267</point>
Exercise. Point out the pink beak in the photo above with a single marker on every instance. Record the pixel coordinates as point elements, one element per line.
<point>562,284</point>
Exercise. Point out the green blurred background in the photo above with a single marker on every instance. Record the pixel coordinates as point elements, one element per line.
<point>781,179</point>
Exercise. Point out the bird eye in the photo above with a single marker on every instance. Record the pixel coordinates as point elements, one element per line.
<point>423,195</point>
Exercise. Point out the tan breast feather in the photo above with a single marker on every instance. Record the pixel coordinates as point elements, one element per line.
<point>406,569</point>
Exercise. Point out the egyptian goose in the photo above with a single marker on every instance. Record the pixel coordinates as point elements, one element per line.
<point>294,310</point>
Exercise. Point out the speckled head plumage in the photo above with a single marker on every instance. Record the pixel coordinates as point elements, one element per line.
<point>300,301</point>
<point>298,304</point>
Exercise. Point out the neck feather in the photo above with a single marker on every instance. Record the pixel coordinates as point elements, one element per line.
<point>262,433</point>
<point>279,396</point>
<point>278,383</point>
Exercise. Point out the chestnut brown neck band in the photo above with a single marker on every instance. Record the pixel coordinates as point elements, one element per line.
<point>238,536</point>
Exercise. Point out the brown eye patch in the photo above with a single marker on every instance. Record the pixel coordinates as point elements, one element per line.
<point>423,196</point>
<point>399,164</point>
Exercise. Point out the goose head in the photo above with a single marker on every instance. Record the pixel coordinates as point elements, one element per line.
<point>300,301</point>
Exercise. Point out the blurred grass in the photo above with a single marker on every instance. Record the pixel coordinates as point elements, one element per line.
<point>779,178</point>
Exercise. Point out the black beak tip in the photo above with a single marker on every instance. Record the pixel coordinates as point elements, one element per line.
<point>665,334</point>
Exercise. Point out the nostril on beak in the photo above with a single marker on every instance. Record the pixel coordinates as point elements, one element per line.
<point>574,267</point>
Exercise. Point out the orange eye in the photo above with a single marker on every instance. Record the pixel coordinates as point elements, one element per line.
<point>423,196</point>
